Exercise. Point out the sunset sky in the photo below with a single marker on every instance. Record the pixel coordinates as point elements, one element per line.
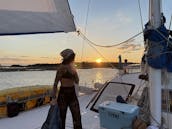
<point>109,22</point>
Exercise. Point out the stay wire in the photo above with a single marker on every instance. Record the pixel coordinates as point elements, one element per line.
<point>141,17</point>
<point>85,29</point>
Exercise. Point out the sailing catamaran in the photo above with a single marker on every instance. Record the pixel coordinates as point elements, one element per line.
<point>51,16</point>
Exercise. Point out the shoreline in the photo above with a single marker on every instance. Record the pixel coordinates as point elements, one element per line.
<point>44,67</point>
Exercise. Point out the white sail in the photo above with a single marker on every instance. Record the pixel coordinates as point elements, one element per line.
<point>35,16</point>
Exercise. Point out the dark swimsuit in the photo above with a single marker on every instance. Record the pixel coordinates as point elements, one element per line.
<point>67,98</point>
<point>68,75</point>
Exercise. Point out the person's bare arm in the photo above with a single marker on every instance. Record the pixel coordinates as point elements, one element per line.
<point>76,78</point>
<point>57,79</point>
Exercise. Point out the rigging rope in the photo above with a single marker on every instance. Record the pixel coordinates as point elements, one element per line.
<point>170,22</point>
<point>100,54</point>
<point>169,42</point>
<point>107,46</point>
<point>92,44</point>
<point>167,39</point>
<point>166,86</point>
<point>167,98</point>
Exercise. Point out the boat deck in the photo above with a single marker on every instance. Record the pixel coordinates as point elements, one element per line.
<point>34,118</point>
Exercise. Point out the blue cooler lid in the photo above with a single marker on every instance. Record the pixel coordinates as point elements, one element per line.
<point>127,108</point>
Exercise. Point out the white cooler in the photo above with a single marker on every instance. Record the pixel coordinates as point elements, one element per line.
<point>117,115</point>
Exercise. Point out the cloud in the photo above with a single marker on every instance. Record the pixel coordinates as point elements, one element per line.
<point>130,47</point>
<point>123,17</point>
<point>25,56</point>
<point>45,57</point>
<point>16,60</point>
<point>25,60</point>
<point>116,20</point>
<point>12,59</point>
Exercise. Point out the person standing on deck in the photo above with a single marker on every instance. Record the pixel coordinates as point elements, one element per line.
<point>67,75</point>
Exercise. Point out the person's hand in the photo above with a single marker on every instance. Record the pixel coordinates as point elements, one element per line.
<point>53,101</point>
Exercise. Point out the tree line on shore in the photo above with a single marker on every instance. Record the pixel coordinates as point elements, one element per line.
<point>79,65</point>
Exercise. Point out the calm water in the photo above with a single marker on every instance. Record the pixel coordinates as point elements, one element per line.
<point>29,78</point>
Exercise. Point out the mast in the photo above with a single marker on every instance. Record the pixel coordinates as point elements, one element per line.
<point>155,74</point>
<point>155,13</point>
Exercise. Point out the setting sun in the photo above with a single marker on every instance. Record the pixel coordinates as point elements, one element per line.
<point>98,60</point>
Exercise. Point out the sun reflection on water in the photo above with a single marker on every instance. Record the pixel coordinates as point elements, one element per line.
<point>99,77</point>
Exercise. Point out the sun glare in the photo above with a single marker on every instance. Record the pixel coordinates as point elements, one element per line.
<point>98,60</point>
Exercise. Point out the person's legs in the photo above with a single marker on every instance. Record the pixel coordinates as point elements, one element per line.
<point>75,110</point>
<point>63,109</point>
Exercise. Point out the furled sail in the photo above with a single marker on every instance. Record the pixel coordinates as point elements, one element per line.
<point>35,16</point>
